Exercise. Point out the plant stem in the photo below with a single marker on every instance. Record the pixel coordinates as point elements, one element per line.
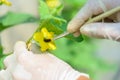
<point>104,15</point>
<point>61,35</point>
<point>28,43</point>
<point>97,18</point>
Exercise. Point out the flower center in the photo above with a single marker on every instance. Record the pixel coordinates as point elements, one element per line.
<point>47,40</point>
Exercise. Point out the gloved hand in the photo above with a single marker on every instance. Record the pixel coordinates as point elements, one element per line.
<point>98,29</point>
<point>25,65</point>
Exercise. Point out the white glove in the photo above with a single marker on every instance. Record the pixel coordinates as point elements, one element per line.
<point>98,30</point>
<point>25,65</point>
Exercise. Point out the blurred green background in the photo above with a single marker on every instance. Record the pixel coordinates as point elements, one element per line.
<point>99,58</point>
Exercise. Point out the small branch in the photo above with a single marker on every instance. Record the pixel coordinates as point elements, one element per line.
<point>28,42</point>
<point>97,18</point>
<point>61,35</point>
<point>104,15</point>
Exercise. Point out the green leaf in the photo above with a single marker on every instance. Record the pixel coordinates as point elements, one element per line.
<point>78,3</point>
<point>2,27</point>
<point>71,8</point>
<point>43,10</point>
<point>51,27</point>
<point>57,11</point>
<point>58,26</point>
<point>61,24</point>
<point>2,57</point>
<point>16,18</point>
<point>77,39</point>
<point>2,66</point>
<point>1,50</point>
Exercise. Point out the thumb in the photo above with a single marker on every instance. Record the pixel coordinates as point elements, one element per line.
<point>24,56</point>
<point>20,47</point>
<point>102,30</point>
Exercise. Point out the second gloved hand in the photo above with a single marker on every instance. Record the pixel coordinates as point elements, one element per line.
<point>98,30</point>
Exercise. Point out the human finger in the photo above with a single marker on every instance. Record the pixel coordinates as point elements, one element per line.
<point>19,48</point>
<point>102,30</point>
<point>91,8</point>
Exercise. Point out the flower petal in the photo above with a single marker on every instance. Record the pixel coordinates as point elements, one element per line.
<point>46,34</point>
<point>38,36</point>
<point>51,46</point>
<point>44,46</point>
<point>53,3</point>
<point>6,2</point>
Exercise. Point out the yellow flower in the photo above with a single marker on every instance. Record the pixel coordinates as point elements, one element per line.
<point>45,39</point>
<point>53,3</point>
<point>5,2</point>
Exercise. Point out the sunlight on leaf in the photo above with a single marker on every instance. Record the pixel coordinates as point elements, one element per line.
<point>43,10</point>
<point>10,19</point>
<point>17,18</point>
